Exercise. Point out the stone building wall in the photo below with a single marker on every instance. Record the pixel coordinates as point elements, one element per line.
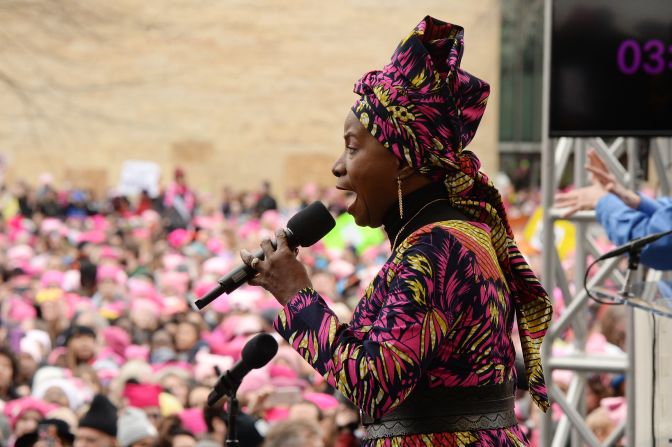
<point>233,91</point>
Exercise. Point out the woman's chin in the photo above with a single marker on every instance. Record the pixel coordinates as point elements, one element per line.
<point>362,219</point>
<point>362,214</point>
<point>357,215</point>
<point>360,222</point>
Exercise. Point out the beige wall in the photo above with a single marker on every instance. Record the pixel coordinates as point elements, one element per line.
<point>234,91</point>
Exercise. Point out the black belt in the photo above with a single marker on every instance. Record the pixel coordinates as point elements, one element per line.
<point>436,410</point>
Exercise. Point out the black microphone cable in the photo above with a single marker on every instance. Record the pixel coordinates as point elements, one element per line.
<point>590,295</point>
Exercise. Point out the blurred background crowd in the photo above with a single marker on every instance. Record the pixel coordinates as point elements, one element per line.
<point>101,343</point>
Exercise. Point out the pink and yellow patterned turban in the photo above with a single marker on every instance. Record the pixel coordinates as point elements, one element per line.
<point>425,109</point>
<point>422,106</point>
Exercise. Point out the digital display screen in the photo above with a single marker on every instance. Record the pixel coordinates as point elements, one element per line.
<point>611,68</point>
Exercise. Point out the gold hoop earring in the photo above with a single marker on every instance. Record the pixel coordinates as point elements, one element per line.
<point>401,201</point>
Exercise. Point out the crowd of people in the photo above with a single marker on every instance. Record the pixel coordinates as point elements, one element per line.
<point>101,344</point>
<point>98,327</point>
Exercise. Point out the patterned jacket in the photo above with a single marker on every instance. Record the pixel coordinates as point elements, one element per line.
<point>438,310</point>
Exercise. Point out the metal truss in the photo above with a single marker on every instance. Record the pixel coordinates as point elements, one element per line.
<point>556,160</point>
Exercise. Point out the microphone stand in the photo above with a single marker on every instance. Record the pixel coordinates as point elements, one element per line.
<point>634,256</point>
<point>234,408</point>
<point>232,429</point>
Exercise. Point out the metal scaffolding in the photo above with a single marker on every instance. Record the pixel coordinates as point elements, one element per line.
<point>557,156</point>
<point>576,314</point>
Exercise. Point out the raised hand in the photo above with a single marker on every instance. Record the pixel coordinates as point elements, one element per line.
<point>603,182</point>
<point>585,198</point>
<point>598,168</point>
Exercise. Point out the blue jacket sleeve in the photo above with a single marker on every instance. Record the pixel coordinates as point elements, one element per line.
<point>623,224</point>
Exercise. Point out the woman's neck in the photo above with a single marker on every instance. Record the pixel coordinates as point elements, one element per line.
<point>413,204</point>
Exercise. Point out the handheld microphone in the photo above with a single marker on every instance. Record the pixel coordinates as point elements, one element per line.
<point>303,229</point>
<point>634,246</point>
<point>257,352</point>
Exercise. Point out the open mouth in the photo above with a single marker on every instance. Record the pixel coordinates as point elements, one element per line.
<point>349,197</point>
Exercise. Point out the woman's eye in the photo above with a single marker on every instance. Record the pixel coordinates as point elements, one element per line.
<point>350,149</point>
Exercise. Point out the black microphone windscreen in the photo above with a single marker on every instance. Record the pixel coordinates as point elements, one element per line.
<point>311,224</point>
<point>259,350</point>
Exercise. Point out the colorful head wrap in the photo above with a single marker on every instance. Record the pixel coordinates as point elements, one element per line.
<point>425,109</point>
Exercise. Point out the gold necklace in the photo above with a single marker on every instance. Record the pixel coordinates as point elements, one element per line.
<point>394,244</point>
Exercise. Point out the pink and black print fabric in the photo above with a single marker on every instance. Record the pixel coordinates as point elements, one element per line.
<point>425,109</point>
<point>438,311</point>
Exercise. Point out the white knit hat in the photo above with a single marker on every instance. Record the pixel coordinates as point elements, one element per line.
<point>133,425</point>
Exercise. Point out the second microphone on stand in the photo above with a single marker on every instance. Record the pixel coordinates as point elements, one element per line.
<point>257,352</point>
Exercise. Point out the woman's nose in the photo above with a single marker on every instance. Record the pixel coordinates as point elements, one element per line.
<point>338,169</point>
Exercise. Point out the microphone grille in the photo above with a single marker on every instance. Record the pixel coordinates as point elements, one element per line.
<point>311,224</point>
<point>259,350</point>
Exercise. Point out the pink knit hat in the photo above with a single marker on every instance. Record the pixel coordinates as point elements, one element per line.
<point>178,238</point>
<point>142,395</point>
<point>93,236</point>
<point>217,265</point>
<point>108,252</point>
<point>52,225</point>
<point>246,298</point>
<point>14,409</point>
<point>150,217</point>
<point>111,272</point>
<point>173,261</point>
<point>205,222</point>
<point>19,255</point>
<point>141,288</point>
<point>193,420</point>
<point>322,400</point>
<point>173,305</point>
<point>117,339</point>
<point>254,381</point>
<point>617,408</point>
<point>71,280</point>
<point>51,278</point>
<point>221,305</point>
<point>19,310</point>
<point>136,352</point>
<point>215,245</point>
<point>206,362</point>
<point>174,282</point>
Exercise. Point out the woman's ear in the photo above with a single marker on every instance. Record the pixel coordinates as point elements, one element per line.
<point>406,171</point>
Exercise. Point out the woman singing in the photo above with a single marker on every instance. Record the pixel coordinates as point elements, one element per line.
<point>428,356</point>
